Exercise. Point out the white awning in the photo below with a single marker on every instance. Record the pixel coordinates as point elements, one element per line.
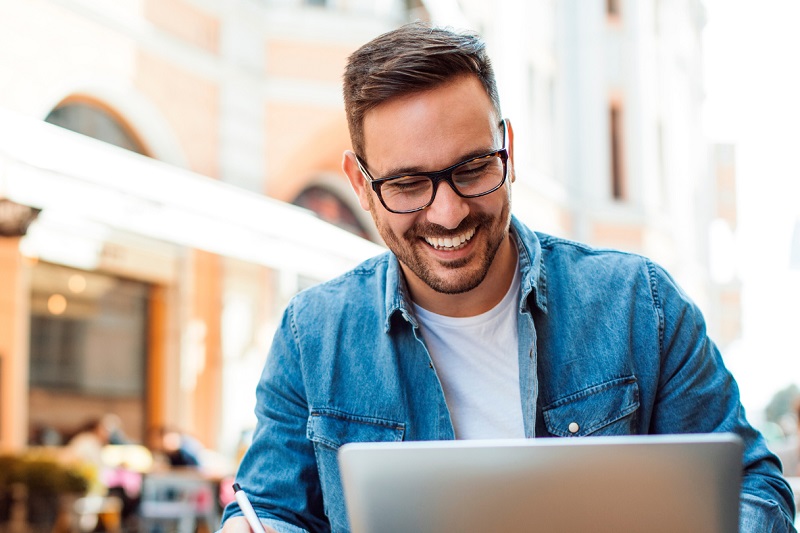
<point>70,175</point>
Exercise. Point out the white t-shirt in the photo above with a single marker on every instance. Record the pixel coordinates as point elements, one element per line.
<point>477,361</point>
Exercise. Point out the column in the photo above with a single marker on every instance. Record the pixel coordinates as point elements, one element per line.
<point>14,341</point>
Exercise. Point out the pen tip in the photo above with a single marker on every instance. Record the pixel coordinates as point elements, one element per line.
<point>236,487</point>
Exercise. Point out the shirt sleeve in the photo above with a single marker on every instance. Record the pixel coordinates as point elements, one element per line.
<point>697,394</point>
<point>279,470</point>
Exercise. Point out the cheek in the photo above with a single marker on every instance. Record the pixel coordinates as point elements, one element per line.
<point>492,204</point>
<point>396,225</point>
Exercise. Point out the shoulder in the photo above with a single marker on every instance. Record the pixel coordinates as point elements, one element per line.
<point>607,270</point>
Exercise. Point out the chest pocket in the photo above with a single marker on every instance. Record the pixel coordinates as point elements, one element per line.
<point>334,428</point>
<point>605,409</point>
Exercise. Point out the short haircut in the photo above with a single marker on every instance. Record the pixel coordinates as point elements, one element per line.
<point>413,58</point>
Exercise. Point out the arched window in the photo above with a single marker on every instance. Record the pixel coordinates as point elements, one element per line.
<point>330,208</point>
<point>97,121</point>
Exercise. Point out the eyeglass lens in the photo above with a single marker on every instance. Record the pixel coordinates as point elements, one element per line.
<point>472,178</point>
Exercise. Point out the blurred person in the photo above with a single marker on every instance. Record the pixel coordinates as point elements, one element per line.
<point>88,441</point>
<point>175,448</point>
<point>87,444</point>
<point>113,425</point>
<point>472,325</point>
<point>117,480</point>
<point>43,434</point>
<point>182,449</point>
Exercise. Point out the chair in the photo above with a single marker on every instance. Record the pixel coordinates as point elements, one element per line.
<point>177,500</point>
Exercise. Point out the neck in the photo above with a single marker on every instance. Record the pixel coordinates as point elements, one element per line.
<point>478,300</point>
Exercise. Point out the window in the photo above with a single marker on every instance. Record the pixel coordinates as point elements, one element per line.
<point>618,184</point>
<point>95,120</point>
<point>88,350</point>
<point>330,208</point>
<point>88,332</point>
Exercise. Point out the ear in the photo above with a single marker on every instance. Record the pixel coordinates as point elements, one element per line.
<point>357,180</point>
<point>510,147</point>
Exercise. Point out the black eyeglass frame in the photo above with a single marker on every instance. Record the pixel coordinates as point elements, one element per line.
<point>439,176</point>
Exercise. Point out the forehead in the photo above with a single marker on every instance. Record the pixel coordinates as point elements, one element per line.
<point>430,129</point>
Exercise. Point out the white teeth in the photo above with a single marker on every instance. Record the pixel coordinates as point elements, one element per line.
<point>450,242</point>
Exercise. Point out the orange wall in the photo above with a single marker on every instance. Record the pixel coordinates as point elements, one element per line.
<point>306,60</point>
<point>185,21</point>
<point>14,328</point>
<point>206,308</point>
<point>190,104</point>
<point>623,236</point>
<point>302,141</point>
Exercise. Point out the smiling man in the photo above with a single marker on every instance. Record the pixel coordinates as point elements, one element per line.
<point>472,325</point>
<point>446,244</point>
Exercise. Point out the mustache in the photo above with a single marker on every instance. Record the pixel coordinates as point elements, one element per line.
<point>426,229</point>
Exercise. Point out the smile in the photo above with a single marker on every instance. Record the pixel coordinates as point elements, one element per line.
<point>450,243</point>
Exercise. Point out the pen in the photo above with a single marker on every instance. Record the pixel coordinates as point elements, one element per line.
<point>247,509</point>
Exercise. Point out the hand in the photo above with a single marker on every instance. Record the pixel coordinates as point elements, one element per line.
<point>238,524</point>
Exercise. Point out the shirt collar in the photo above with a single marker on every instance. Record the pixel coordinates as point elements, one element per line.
<point>531,264</point>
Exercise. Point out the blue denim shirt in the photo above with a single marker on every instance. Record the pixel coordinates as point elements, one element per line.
<point>606,340</point>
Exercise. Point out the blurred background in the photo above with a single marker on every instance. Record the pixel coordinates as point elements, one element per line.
<point>170,177</point>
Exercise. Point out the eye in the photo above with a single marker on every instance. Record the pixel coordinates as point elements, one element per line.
<point>473,169</point>
<point>407,185</point>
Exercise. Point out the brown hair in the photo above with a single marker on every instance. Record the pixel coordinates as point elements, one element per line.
<point>409,59</point>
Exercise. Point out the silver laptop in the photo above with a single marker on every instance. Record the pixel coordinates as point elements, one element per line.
<point>653,484</point>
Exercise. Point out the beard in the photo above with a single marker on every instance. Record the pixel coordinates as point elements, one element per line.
<point>448,277</point>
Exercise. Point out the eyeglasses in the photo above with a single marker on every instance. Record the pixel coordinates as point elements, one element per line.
<point>475,177</point>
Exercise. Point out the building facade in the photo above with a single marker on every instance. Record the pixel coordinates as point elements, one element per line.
<point>151,279</point>
<point>144,275</point>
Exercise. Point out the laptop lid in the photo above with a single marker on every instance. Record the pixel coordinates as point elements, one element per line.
<point>655,483</point>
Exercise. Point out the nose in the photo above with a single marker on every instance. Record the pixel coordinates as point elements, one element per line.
<point>448,209</point>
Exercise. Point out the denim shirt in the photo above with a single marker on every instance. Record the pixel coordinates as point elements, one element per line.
<point>607,341</point>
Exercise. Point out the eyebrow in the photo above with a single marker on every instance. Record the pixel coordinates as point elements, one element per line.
<point>406,171</point>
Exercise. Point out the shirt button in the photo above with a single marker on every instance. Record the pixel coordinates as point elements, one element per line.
<point>573,427</point>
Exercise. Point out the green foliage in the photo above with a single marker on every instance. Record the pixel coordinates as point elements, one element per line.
<point>41,474</point>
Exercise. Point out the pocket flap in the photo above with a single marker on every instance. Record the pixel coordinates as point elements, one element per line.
<point>334,428</point>
<point>593,408</point>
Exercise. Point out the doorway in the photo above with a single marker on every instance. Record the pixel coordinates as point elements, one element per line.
<point>88,352</point>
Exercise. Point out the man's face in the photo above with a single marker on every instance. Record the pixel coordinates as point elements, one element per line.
<point>450,245</point>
